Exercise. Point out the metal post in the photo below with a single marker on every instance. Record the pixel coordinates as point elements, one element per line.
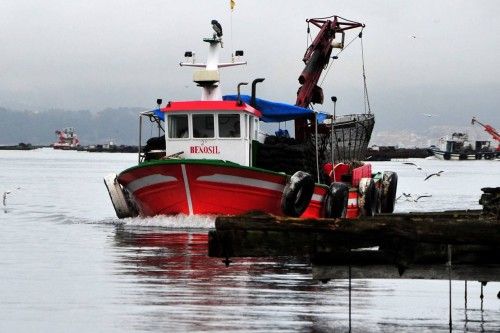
<point>140,137</point>
<point>465,296</point>
<point>481,296</point>
<point>316,136</point>
<point>349,290</point>
<point>449,285</point>
<point>334,99</point>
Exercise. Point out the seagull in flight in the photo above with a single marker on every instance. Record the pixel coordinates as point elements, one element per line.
<point>406,195</point>
<point>4,200</point>
<point>422,196</point>
<point>5,197</point>
<point>411,163</point>
<point>434,174</point>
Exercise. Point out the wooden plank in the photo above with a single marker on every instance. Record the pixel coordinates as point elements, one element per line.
<point>416,228</point>
<point>432,272</point>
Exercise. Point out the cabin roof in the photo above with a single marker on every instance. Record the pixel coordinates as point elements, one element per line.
<point>201,106</point>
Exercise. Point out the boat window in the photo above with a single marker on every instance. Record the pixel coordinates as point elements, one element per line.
<point>203,125</point>
<point>178,126</point>
<point>229,126</point>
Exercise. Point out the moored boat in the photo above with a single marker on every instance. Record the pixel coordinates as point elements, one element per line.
<point>207,160</point>
<point>458,147</point>
<point>66,139</point>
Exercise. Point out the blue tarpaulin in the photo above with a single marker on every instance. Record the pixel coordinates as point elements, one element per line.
<point>273,112</point>
<point>159,114</point>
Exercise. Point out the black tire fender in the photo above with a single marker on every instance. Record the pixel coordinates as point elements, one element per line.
<point>335,202</point>
<point>479,156</point>
<point>462,157</point>
<point>388,191</point>
<point>367,200</point>
<point>446,156</point>
<point>297,194</point>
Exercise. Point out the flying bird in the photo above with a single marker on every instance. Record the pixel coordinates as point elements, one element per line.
<point>406,195</point>
<point>422,196</point>
<point>5,197</point>
<point>434,174</point>
<point>411,163</point>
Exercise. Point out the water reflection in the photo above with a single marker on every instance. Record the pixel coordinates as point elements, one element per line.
<point>175,286</point>
<point>185,289</point>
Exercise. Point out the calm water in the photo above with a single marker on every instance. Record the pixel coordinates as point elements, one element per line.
<point>68,265</point>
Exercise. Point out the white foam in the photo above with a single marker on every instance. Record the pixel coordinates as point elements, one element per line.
<point>180,221</point>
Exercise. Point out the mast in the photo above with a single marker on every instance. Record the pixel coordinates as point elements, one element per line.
<point>209,77</point>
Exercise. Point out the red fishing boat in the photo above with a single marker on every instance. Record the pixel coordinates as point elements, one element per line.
<point>66,139</point>
<point>209,156</point>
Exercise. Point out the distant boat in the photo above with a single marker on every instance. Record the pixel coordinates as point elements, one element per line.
<point>66,139</point>
<point>458,147</point>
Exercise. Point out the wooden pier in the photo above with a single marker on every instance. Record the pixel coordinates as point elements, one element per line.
<point>459,245</point>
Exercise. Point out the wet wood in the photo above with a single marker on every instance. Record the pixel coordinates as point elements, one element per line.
<point>266,235</point>
<point>431,272</point>
<point>412,245</point>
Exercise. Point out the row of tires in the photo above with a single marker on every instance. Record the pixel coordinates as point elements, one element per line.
<point>373,198</point>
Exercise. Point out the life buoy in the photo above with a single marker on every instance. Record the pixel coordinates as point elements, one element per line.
<point>367,201</point>
<point>446,156</point>
<point>335,202</point>
<point>462,156</point>
<point>479,156</point>
<point>297,194</point>
<point>388,191</point>
<point>122,206</point>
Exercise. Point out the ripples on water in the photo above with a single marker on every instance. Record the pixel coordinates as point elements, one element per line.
<point>67,264</point>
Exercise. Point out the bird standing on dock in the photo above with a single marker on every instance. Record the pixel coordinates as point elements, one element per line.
<point>434,174</point>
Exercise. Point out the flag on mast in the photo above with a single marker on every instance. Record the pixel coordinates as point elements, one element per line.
<point>231,4</point>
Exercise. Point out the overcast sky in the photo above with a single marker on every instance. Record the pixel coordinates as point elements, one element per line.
<point>434,57</point>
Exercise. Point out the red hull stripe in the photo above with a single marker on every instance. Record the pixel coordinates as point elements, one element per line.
<point>236,180</point>
<point>148,181</point>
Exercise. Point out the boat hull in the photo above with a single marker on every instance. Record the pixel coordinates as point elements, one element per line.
<point>201,187</point>
<point>444,155</point>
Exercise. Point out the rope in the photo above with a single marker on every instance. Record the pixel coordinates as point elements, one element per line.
<point>366,100</point>
<point>331,63</point>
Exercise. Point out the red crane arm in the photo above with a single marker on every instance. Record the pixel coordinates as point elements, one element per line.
<point>489,129</point>
<point>317,57</point>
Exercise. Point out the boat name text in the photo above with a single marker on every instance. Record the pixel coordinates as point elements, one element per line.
<point>204,150</point>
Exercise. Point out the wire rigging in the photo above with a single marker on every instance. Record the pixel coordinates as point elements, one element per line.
<point>330,64</point>
<point>365,87</point>
<point>366,99</point>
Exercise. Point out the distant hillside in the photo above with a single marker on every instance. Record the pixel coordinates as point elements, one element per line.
<point>37,128</point>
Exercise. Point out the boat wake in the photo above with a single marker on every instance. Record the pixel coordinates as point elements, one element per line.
<point>173,222</point>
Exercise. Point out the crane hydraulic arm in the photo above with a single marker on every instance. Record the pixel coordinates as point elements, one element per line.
<point>490,130</point>
<point>316,59</point>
